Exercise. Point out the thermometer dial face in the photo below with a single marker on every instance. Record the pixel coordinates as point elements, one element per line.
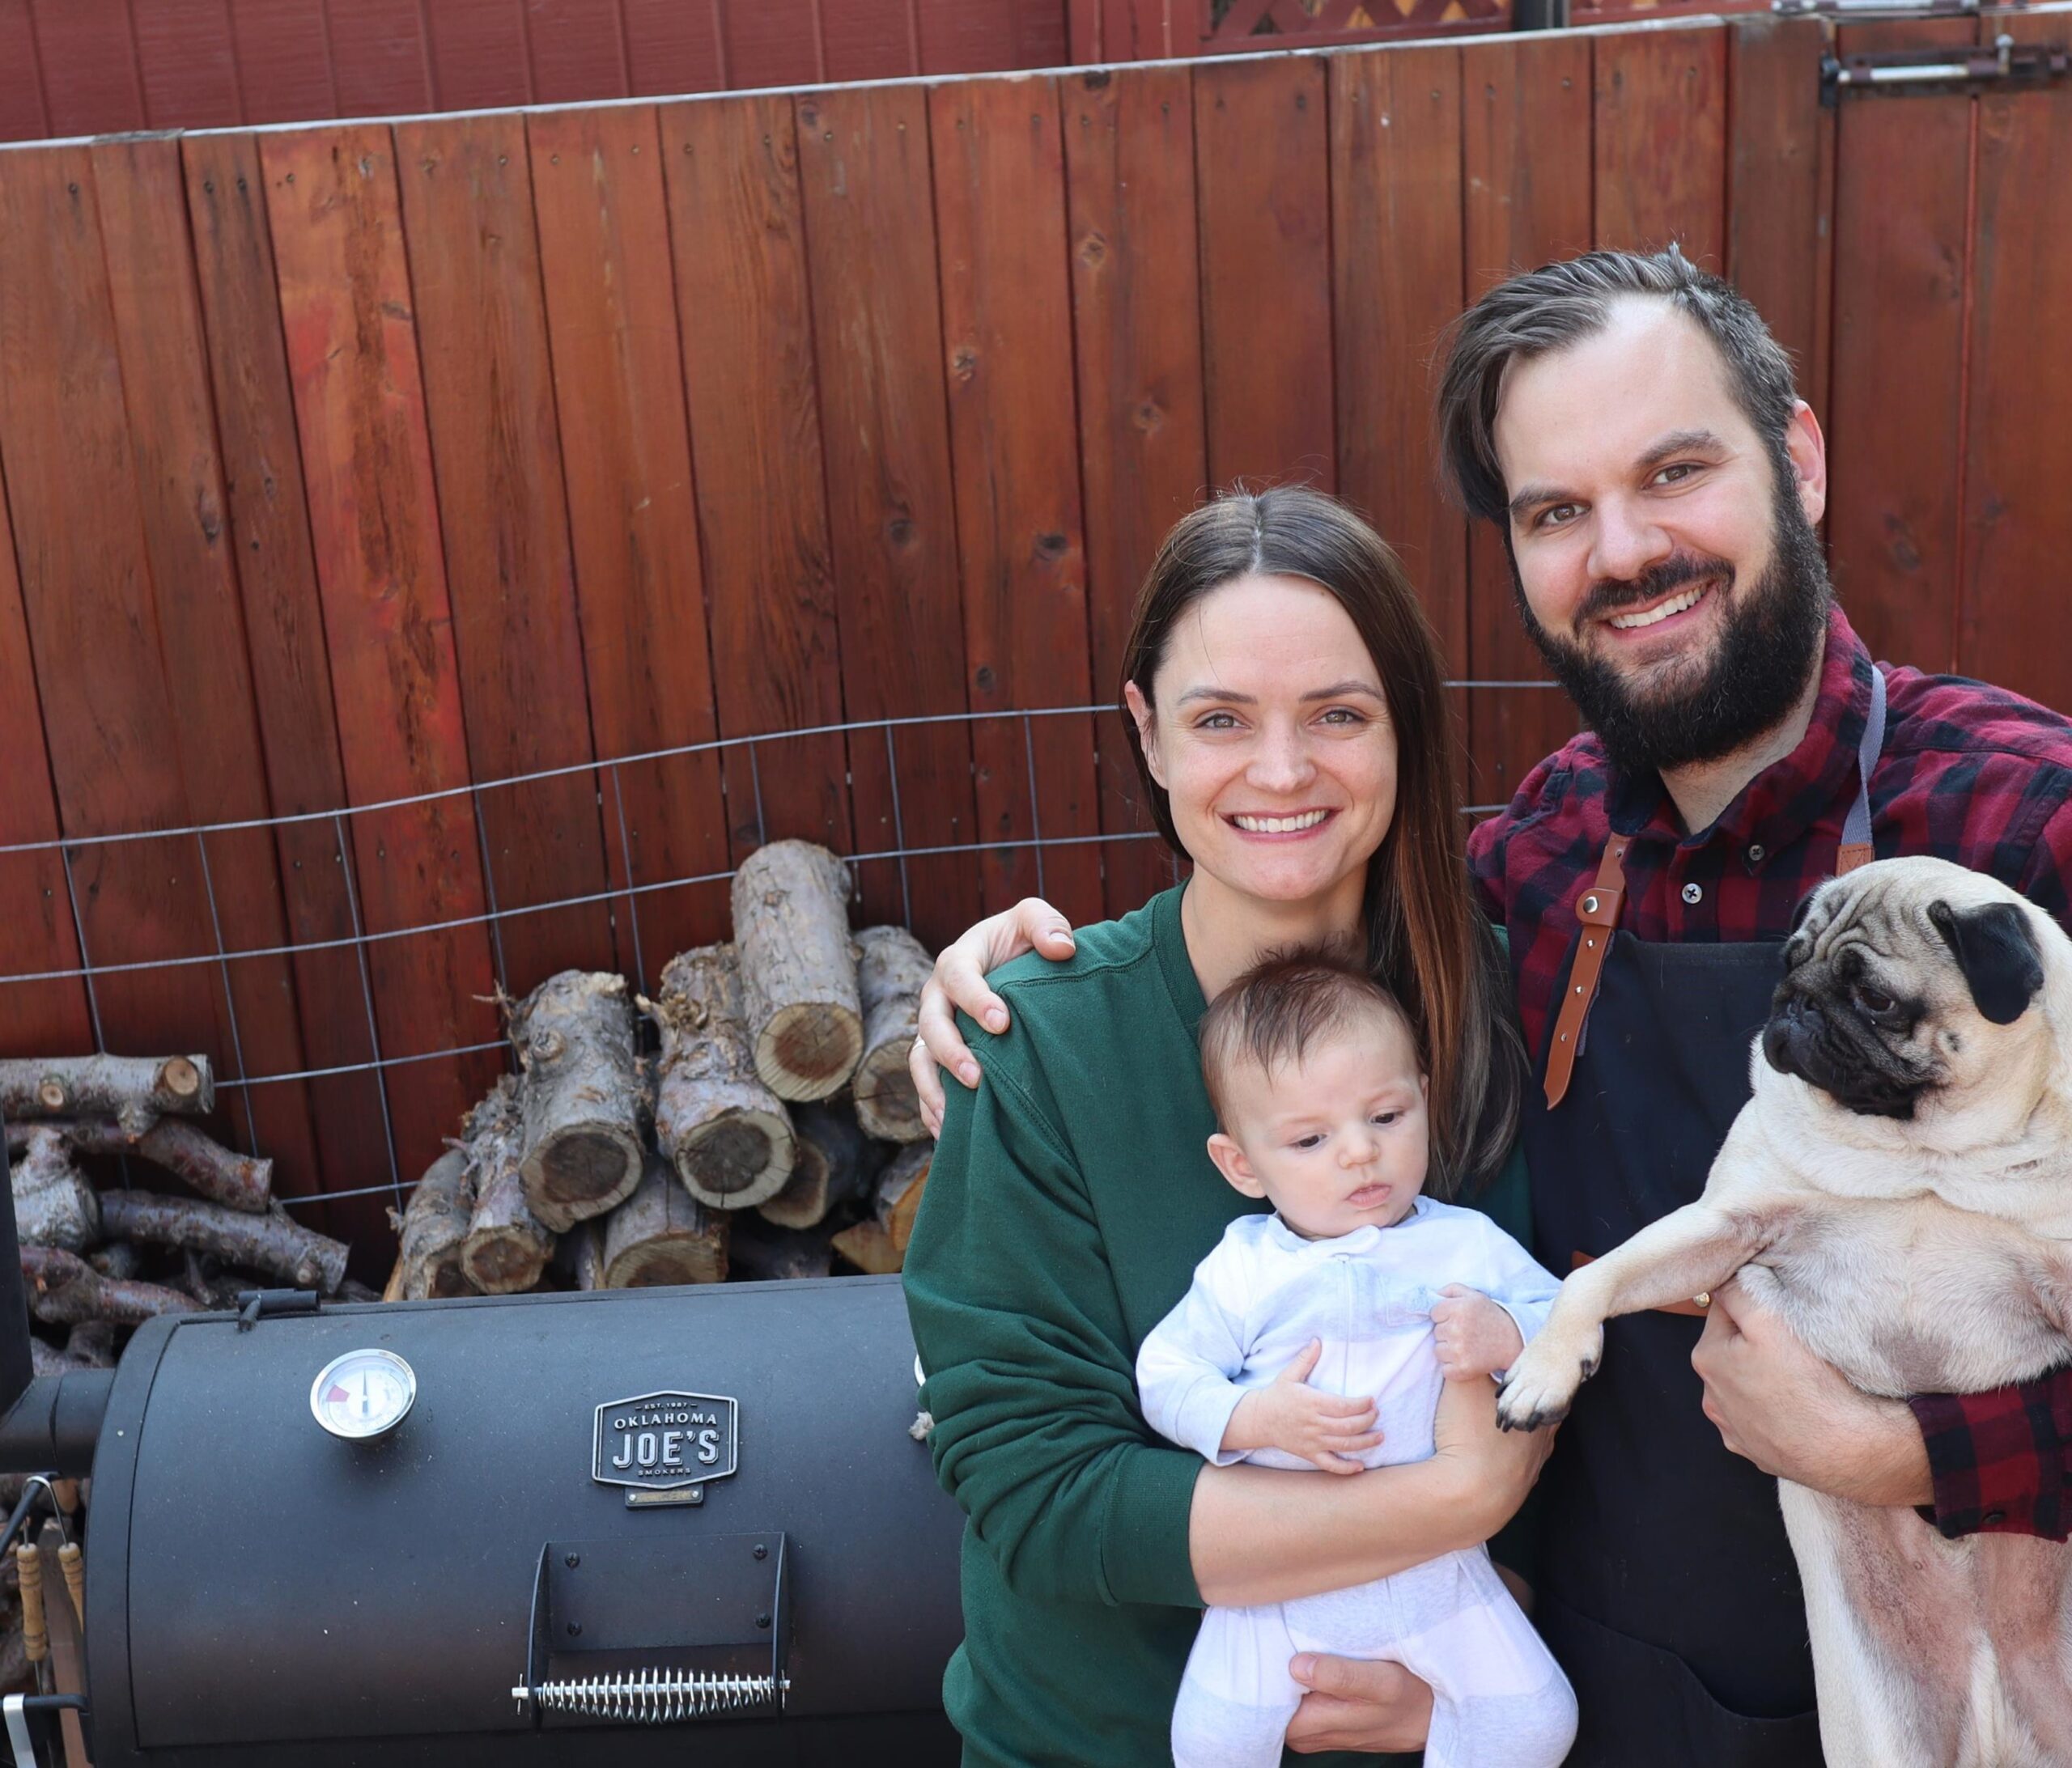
<point>363,1393</point>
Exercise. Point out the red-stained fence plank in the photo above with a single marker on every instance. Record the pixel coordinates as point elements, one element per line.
<point>1007,327</point>
<point>89,59</point>
<point>892,518</point>
<point>214,730</point>
<point>359,408</point>
<point>290,669</point>
<point>187,65</point>
<point>48,1018</point>
<point>22,114</point>
<point>2015,626</point>
<point>1396,181</point>
<point>1525,119</point>
<point>578,50</point>
<point>773,43</point>
<point>479,54</point>
<point>379,58</point>
<point>1901,178</point>
<point>1660,130</point>
<point>1130,161</point>
<point>92,613</point>
<point>869,39</point>
<point>283,60</point>
<point>1780,205</point>
<point>1263,150</point>
<point>746,324</point>
<point>672,46</point>
<point>489,397</point>
<point>626,451</point>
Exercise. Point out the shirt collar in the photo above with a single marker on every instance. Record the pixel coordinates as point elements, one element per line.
<point>1360,1240</point>
<point>1790,796</point>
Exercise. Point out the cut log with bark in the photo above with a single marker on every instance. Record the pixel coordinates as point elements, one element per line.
<point>238,1181</point>
<point>118,1260</point>
<point>282,1249</point>
<point>580,1256</point>
<point>54,1205</point>
<point>64,1289</point>
<point>763,1254</point>
<point>431,1229</point>
<point>725,1132</point>
<point>891,967</point>
<point>798,969</point>
<point>136,1091</point>
<point>879,1245</point>
<point>506,1246</point>
<point>836,1162</point>
<point>660,1235</point>
<point>581,1099</point>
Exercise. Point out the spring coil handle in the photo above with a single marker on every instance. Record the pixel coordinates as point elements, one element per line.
<point>654,1696</point>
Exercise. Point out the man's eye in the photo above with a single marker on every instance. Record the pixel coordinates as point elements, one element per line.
<point>1672,475</point>
<point>1555,514</point>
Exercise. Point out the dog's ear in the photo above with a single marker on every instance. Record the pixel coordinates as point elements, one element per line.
<point>1997,952</point>
<point>1797,946</point>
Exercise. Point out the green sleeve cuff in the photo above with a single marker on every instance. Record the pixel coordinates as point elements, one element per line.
<point>1144,1553</point>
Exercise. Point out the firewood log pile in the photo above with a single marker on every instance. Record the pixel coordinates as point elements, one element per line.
<point>753,1120</point>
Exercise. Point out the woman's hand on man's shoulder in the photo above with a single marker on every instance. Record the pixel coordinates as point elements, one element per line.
<point>958,984</point>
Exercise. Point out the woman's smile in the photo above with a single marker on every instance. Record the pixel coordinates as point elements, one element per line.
<point>1281,825</point>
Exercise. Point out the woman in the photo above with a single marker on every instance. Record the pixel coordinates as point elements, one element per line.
<point>1284,696</point>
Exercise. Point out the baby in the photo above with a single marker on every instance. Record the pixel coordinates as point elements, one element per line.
<point>1318,1337</point>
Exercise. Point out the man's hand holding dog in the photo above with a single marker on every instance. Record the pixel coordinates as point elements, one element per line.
<point>1329,1429</point>
<point>1781,1407</point>
<point>1475,1338</point>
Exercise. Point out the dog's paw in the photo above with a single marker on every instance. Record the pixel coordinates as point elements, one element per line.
<point>1543,1380</point>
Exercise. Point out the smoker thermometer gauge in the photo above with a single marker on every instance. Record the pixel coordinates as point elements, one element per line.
<point>363,1393</point>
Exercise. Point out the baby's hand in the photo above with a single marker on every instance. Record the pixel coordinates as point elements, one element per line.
<point>1474,1337</point>
<point>1295,1418</point>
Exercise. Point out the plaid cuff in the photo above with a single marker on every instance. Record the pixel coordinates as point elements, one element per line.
<point>2001,1460</point>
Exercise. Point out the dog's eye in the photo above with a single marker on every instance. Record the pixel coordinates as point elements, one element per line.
<point>1871,1000</point>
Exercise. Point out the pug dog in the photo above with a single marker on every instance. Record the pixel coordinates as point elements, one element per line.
<point>1900,1188</point>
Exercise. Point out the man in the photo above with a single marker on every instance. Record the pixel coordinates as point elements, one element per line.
<point>1631,424</point>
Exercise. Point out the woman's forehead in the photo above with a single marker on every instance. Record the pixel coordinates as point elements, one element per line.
<point>1259,635</point>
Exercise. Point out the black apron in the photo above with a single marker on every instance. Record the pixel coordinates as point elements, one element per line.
<point>1667,1588</point>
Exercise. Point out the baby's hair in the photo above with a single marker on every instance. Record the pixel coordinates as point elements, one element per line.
<point>1285,1003</point>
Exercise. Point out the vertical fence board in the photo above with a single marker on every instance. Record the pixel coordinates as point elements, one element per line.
<point>773,43</point>
<point>1892,514</point>
<point>673,46</point>
<point>185,61</point>
<point>283,60</point>
<point>625,452</point>
<point>578,50</point>
<point>869,40</point>
<point>22,114</point>
<point>1660,131</point>
<point>2015,628</point>
<point>746,322</point>
<point>1526,117</point>
<point>1396,254</point>
<point>1129,160</point>
<point>92,612</point>
<point>489,395</point>
<point>892,518</point>
<point>36,1019</point>
<point>1261,149</point>
<point>291,670</point>
<point>1007,327</point>
<point>379,59</point>
<point>359,408</point>
<point>214,732</point>
<point>1779,220</point>
<point>89,60</point>
<point>478,54</point>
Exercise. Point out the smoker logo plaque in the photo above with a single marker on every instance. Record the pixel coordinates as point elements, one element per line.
<point>663,1447</point>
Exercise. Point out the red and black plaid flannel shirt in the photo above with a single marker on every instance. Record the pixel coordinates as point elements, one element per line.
<point>1967,774</point>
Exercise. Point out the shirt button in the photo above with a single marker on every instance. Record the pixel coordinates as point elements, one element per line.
<point>1756,850</point>
<point>1692,895</point>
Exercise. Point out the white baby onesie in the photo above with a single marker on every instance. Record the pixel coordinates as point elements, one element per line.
<point>1499,1699</point>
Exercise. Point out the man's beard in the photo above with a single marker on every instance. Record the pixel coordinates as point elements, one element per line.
<point>1769,646</point>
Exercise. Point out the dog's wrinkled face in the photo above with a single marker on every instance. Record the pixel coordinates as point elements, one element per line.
<point>1903,980</point>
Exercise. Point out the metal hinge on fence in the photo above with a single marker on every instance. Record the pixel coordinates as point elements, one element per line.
<point>2005,63</point>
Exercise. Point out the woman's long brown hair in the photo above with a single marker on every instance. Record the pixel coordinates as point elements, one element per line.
<point>1426,940</point>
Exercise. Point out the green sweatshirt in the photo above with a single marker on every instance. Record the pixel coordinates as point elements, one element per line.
<point>1071,1197</point>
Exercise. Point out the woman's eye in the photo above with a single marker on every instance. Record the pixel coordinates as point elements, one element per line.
<point>1343,715</point>
<point>1217,721</point>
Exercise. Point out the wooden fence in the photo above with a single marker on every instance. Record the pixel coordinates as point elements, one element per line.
<point>350,468</point>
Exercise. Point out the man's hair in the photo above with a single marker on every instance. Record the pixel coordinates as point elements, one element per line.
<point>1284,1004</point>
<point>1549,309</point>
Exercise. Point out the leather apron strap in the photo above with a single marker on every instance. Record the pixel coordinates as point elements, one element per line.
<point>1602,901</point>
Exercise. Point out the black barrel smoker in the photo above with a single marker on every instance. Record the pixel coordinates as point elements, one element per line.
<point>688,1525</point>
